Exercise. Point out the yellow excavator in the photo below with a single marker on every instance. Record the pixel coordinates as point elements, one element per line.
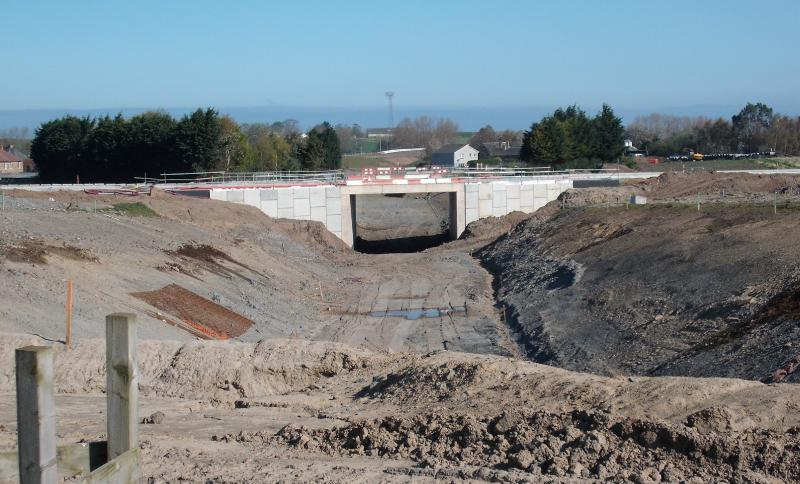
<point>696,156</point>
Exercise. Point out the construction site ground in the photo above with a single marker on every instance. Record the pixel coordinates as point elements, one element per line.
<point>308,361</point>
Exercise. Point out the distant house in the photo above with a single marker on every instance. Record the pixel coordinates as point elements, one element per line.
<point>456,155</point>
<point>10,162</point>
<point>631,150</point>
<point>501,149</point>
<point>379,133</point>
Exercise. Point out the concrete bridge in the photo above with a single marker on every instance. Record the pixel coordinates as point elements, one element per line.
<point>334,204</point>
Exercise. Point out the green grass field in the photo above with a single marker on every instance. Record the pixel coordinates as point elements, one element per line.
<point>359,162</point>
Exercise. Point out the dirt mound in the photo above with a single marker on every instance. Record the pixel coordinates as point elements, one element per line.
<point>37,251</point>
<point>596,196</point>
<point>678,185</point>
<point>314,236</point>
<point>577,444</point>
<point>493,227</point>
<point>202,370</point>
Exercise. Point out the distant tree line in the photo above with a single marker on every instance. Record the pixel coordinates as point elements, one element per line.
<point>17,137</point>
<point>756,128</point>
<point>108,149</point>
<point>570,138</point>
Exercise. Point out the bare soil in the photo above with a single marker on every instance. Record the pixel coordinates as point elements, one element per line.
<point>661,289</point>
<point>295,410</point>
<point>672,328</point>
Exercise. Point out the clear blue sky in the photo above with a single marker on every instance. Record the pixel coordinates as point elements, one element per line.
<point>639,56</point>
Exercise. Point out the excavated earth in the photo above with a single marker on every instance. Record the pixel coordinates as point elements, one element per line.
<point>660,289</point>
<point>675,330</point>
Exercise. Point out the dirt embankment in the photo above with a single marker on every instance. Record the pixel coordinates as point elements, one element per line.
<point>234,265</point>
<point>659,289</point>
<point>303,409</point>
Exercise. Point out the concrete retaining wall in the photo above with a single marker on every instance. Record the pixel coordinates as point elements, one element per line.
<point>333,205</point>
<point>321,203</point>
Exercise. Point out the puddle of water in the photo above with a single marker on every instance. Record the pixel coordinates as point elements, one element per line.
<point>413,314</point>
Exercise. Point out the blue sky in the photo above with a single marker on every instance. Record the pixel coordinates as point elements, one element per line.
<point>639,56</point>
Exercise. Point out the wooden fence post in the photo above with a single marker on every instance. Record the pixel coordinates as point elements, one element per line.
<point>68,340</point>
<point>122,380</point>
<point>36,415</point>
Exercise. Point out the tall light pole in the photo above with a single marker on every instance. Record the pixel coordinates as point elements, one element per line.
<point>389,95</point>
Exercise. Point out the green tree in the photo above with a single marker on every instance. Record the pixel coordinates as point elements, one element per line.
<point>751,125</point>
<point>321,150</point>
<point>197,140</point>
<point>608,135</point>
<point>108,149</point>
<point>59,149</point>
<point>233,145</point>
<point>151,145</point>
<point>486,134</point>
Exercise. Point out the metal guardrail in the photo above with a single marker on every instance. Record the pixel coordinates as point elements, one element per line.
<point>221,177</point>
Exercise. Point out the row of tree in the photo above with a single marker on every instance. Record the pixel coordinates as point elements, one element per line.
<point>109,148</point>
<point>569,136</point>
<point>424,132</point>
<point>756,128</point>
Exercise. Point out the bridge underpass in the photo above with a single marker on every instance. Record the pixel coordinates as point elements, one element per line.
<point>334,205</point>
<point>401,222</point>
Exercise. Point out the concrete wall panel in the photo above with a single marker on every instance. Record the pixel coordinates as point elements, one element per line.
<point>471,199</point>
<point>269,194</point>
<point>485,191</point>
<point>485,208</point>
<point>334,205</point>
<point>512,191</point>
<point>319,214</point>
<point>270,207</point>
<point>252,197</point>
<point>218,195</point>
<point>334,223</point>
<point>236,196</point>
<point>526,196</point>
<point>300,192</point>
<point>317,196</point>
<point>539,191</point>
<point>285,198</point>
<point>302,208</point>
<point>285,212</point>
<point>498,199</point>
<point>472,215</point>
<point>512,205</point>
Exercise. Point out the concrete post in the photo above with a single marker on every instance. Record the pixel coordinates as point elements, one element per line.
<point>36,415</point>
<point>122,384</point>
<point>348,217</point>
<point>457,212</point>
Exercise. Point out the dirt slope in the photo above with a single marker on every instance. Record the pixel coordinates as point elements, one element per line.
<point>290,278</point>
<point>660,289</point>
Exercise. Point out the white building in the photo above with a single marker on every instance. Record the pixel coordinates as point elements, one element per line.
<point>456,155</point>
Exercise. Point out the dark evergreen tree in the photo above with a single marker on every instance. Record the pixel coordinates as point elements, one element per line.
<point>608,135</point>
<point>59,149</point>
<point>197,140</point>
